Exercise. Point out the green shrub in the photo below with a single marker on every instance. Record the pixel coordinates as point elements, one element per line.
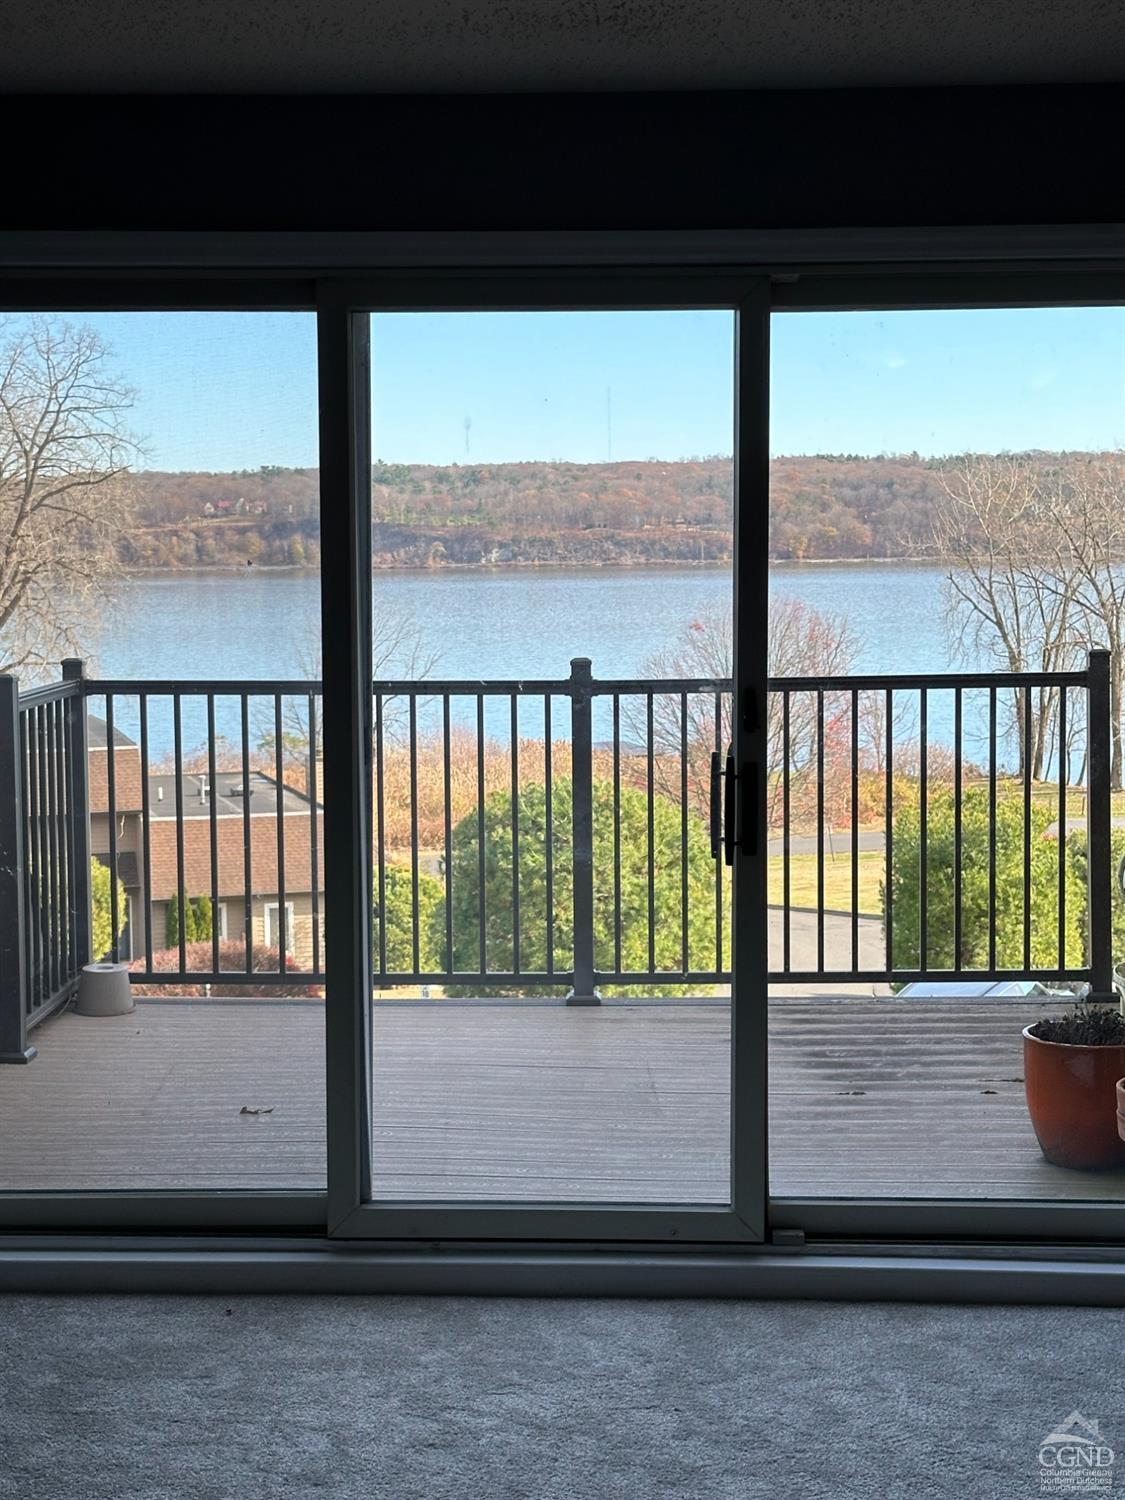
<point>975,916</point>
<point>101,909</point>
<point>498,888</point>
<point>197,921</point>
<point>1076,844</point>
<point>399,901</point>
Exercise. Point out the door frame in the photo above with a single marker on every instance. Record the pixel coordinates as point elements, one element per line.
<point>344,309</point>
<point>810,271</point>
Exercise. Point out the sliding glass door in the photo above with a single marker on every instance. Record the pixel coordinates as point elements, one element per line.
<point>543,711</point>
<point>946,905</point>
<point>451,912</point>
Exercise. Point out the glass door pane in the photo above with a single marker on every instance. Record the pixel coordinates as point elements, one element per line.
<point>166,815</point>
<point>552,551</point>
<point>947,548</point>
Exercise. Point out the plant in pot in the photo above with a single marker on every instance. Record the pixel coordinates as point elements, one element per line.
<point>1074,1066</point>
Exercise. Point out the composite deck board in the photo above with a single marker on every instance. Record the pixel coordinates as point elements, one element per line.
<point>535,1102</point>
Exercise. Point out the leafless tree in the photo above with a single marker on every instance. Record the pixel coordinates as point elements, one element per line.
<point>803,642</point>
<point>64,455</point>
<point>1010,594</point>
<point>1086,508</point>
<point>399,652</point>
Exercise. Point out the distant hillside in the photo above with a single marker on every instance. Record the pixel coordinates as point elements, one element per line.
<point>494,514</point>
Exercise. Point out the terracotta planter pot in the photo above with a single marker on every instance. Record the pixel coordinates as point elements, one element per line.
<point>1070,1097</point>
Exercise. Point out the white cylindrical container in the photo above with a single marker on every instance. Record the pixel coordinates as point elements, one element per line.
<point>104,990</point>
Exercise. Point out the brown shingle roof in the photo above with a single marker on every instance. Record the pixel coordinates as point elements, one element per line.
<point>126,779</point>
<point>229,844</point>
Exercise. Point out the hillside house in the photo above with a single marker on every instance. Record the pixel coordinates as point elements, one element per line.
<point>246,835</point>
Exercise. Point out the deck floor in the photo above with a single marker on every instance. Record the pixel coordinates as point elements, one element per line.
<point>534,1101</point>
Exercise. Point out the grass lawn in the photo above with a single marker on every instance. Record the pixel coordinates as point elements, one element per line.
<point>1048,792</point>
<point>837,881</point>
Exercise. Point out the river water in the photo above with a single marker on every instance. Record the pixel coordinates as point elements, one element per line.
<point>503,624</point>
<point>524,622</point>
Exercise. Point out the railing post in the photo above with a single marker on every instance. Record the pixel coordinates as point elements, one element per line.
<point>14,1046</point>
<point>582,831</point>
<point>1099,860</point>
<point>74,670</point>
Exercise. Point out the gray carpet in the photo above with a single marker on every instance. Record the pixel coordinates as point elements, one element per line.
<point>470,1399</point>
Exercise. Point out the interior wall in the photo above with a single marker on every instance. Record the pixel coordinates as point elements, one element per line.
<point>789,159</point>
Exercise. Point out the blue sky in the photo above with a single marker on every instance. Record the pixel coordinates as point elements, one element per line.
<point>235,390</point>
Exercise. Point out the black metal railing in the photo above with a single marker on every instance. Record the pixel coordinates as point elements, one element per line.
<point>225,807</point>
<point>559,834</point>
<point>961,788</point>
<point>560,873</point>
<point>44,856</point>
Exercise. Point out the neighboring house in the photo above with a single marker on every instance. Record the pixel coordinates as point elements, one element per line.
<point>246,827</point>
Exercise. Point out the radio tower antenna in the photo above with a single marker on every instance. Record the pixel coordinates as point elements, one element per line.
<point>467,424</point>
<point>609,424</point>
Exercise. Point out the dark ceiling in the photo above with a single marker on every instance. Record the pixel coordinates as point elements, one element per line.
<point>517,46</point>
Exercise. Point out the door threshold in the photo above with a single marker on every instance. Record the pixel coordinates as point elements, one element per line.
<point>80,1264</point>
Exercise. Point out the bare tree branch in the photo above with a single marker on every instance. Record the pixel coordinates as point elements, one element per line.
<point>64,455</point>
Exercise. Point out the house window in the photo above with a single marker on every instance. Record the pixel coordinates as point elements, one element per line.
<point>272,934</point>
<point>125,941</point>
<point>223,928</point>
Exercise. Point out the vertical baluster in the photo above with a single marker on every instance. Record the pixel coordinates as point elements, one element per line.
<point>1064,776</point>
<point>78,817</point>
<point>958,732</point>
<point>1027,768</point>
<point>54,892</point>
<point>447,816</point>
<point>549,831</point>
<point>481,916</point>
<point>247,847</point>
<point>78,814</point>
<point>64,827</point>
<point>62,803</point>
<point>719,863</point>
<point>685,956</point>
<point>58,763</point>
<point>584,987</point>
<point>415,940</point>
<point>617,833</point>
<point>786,751</point>
<point>992,828</point>
<point>284,937</point>
<point>181,893</point>
<point>213,830</point>
<point>820,830</point>
<point>514,733</point>
<point>59,767</point>
<point>146,833</point>
<point>651,833</point>
<point>380,834</point>
<point>16,1002</point>
<point>46,915</point>
<point>31,854</point>
<point>855,829</point>
<point>889,829</point>
<point>111,792</point>
<point>314,833</point>
<point>923,834</point>
<point>1099,874</point>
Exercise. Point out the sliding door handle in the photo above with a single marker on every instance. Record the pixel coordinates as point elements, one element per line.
<point>716,803</point>
<point>730,808</point>
<point>734,807</point>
